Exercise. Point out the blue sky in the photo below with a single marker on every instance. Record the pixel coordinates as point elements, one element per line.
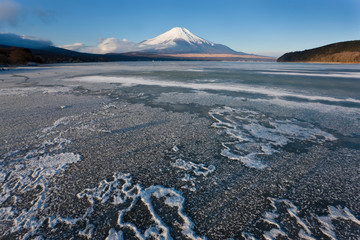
<point>269,27</point>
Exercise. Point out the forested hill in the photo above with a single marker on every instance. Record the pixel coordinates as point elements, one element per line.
<point>10,55</point>
<point>342,52</point>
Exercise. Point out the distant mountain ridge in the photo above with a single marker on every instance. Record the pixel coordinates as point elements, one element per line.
<point>10,56</point>
<point>180,40</point>
<point>177,44</point>
<point>341,52</point>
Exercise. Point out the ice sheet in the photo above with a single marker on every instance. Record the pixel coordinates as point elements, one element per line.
<point>337,74</point>
<point>191,170</point>
<point>284,220</point>
<point>121,189</point>
<point>253,135</point>
<point>276,92</point>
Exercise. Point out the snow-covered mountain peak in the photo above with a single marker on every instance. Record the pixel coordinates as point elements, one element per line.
<point>176,34</point>
<point>179,40</point>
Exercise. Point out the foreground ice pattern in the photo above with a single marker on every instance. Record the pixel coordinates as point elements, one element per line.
<point>284,221</point>
<point>28,183</point>
<point>24,179</point>
<point>25,174</point>
<point>254,134</point>
<point>25,191</point>
<point>129,198</point>
<point>191,170</point>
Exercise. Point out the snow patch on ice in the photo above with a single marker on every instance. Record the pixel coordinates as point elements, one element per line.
<point>274,92</point>
<point>284,221</point>
<point>192,170</point>
<point>254,134</point>
<point>120,190</point>
<point>247,236</point>
<point>58,122</point>
<point>114,235</point>
<point>199,169</point>
<point>335,213</point>
<point>26,91</point>
<point>338,74</point>
<point>25,176</point>
<point>28,175</point>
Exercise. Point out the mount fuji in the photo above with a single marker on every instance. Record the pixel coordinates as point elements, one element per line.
<point>179,40</point>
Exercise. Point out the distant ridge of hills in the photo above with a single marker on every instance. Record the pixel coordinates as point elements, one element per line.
<point>177,44</point>
<point>341,52</point>
<point>11,55</point>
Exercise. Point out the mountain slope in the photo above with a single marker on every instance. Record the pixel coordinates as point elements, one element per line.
<point>180,40</point>
<point>12,55</point>
<point>342,52</point>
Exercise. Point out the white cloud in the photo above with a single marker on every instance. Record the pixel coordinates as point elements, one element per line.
<point>12,39</point>
<point>114,45</point>
<point>10,12</point>
<point>74,47</point>
<point>105,45</point>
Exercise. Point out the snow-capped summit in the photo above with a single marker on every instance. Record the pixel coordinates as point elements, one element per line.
<point>176,34</point>
<point>180,40</point>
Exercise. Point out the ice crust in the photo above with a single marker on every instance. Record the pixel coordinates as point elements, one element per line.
<point>31,90</point>
<point>254,134</point>
<point>197,168</point>
<point>284,217</point>
<point>23,172</point>
<point>335,213</point>
<point>29,171</point>
<point>337,74</point>
<point>120,190</point>
<point>30,174</point>
<point>274,92</point>
<point>191,170</point>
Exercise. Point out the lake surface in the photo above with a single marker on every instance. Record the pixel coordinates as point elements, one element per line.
<point>180,150</point>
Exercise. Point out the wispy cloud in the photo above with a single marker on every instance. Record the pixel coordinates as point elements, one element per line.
<point>10,12</point>
<point>11,39</point>
<point>75,47</point>
<point>114,45</point>
<point>44,15</point>
<point>105,45</point>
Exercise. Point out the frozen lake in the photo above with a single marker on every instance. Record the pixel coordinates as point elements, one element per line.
<point>180,150</point>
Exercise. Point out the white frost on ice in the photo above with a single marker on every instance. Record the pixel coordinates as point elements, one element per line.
<point>31,90</point>
<point>274,92</point>
<point>199,169</point>
<point>274,219</point>
<point>114,235</point>
<point>25,172</point>
<point>335,213</point>
<point>31,175</point>
<point>192,170</point>
<point>283,210</point>
<point>338,74</point>
<point>254,134</point>
<point>58,122</point>
<point>247,236</point>
<point>120,190</point>
<point>175,149</point>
